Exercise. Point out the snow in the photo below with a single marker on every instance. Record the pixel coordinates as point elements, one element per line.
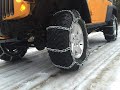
<point>35,72</point>
<point>116,82</point>
<point>108,78</point>
<point>104,76</point>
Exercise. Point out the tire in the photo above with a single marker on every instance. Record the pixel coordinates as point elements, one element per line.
<point>39,44</point>
<point>111,30</point>
<point>11,52</point>
<point>61,33</point>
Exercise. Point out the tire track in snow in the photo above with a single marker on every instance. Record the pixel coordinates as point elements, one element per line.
<point>44,75</point>
<point>63,82</point>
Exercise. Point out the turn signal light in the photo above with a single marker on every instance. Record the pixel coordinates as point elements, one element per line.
<point>22,8</point>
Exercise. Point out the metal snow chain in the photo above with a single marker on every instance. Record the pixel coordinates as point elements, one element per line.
<point>67,49</point>
<point>59,51</point>
<point>59,27</point>
<point>63,28</point>
<point>74,62</point>
<point>74,18</point>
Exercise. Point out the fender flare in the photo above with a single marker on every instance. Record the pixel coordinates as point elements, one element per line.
<point>111,9</point>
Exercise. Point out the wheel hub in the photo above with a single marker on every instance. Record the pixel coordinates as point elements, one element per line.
<point>77,41</point>
<point>12,49</point>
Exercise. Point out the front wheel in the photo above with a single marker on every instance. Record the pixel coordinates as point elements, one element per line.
<point>67,40</point>
<point>12,51</point>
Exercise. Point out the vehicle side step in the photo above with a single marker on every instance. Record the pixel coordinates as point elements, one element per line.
<point>92,26</point>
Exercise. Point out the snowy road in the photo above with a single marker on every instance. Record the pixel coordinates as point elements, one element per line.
<point>36,72</point>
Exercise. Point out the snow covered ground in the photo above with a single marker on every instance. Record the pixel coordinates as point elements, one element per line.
<point>107,79</point>
<point>35,72</point>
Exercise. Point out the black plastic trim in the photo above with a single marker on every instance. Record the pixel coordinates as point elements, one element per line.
<point>9,40</point>
<point>96,26</point>
<point>110,10</point>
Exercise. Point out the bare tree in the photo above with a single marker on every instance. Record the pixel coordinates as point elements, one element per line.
<point>117,3</point>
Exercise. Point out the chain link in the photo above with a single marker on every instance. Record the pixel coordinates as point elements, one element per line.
<point>58,27</point>
<point>59,51</point>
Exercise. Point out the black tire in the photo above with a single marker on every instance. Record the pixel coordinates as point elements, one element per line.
<point>39,44</point>
<point>11,52</point>
<point>58,40</point>
<point>111,30</point>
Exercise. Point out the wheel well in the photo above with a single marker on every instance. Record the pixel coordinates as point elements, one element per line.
<point>111,10</point>
<point>82,7</point>
<point>45,8</point>
<point>114,12</point>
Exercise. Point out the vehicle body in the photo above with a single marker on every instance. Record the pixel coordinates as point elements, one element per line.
<point>37,23</point>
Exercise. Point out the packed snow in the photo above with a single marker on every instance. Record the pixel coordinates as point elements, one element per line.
<point>35,71</point>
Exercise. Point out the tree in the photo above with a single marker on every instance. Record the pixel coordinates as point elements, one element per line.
<point>117,3</point>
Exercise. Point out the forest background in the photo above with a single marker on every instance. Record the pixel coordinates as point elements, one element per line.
<point>117,3</point>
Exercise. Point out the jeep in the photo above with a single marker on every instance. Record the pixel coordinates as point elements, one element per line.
<point>61,26</point>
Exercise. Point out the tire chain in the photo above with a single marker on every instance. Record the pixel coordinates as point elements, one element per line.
<point>68,48</point>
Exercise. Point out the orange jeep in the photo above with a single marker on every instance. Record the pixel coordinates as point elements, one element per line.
<point>60,25</point>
